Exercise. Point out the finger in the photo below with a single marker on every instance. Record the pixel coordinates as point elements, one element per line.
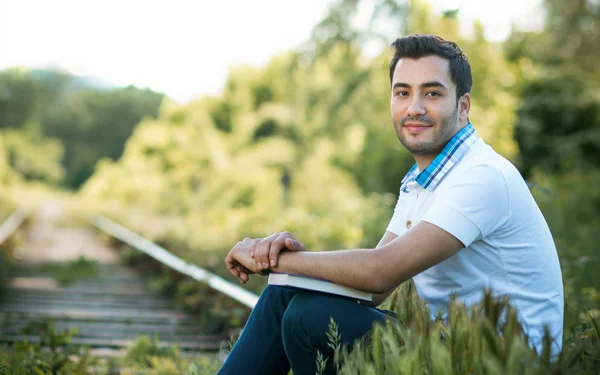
<point>232,269</point>
<point>255,242</point>
<point>240,276</point>
<point>276,248</point>
<point>232,264</point>
<point>257,250</point>
<point>261,254</point>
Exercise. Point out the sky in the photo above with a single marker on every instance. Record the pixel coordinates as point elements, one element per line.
<point>184,48</point>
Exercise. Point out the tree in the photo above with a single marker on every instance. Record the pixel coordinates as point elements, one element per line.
<point>558,124</point>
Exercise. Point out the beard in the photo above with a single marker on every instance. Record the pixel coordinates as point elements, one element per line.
<point>443,131</point>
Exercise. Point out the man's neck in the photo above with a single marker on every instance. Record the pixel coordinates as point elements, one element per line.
<point>423,161</point>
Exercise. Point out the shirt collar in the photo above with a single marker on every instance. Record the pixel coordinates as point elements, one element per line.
<point>452,153</point>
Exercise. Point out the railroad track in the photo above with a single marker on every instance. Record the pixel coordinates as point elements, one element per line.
<point>109,310</point>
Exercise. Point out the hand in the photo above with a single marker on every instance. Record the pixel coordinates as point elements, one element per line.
<point>266,252</point>
<point>239,262</point>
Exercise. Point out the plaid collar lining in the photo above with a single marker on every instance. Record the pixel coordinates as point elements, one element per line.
<point>452,153</point>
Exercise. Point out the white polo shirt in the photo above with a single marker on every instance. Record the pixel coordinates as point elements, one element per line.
<point>482,200</point>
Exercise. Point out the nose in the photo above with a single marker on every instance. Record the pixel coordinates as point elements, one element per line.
<point>416,106</point>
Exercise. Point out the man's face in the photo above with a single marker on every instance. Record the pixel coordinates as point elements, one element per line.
<point>425,112</point>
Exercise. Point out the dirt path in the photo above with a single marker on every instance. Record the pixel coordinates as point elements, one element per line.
<point>51,238</point>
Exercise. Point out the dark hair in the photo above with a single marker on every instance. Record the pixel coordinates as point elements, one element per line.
<point>422,45</point>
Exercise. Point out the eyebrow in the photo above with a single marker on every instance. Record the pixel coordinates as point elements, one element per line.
<point>424,85</point>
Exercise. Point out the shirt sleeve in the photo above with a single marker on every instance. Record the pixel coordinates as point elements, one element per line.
<point>396,222</point>
<point>471,205</point>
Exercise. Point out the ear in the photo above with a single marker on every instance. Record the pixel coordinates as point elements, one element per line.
<point>464,107</point>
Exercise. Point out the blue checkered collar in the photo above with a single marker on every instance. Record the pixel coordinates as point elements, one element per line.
<point>452,153</point>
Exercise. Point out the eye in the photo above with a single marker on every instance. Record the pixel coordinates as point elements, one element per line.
<point>433,93</point>
<point>402,93</point>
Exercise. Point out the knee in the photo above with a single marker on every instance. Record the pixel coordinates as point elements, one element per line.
<point>292,324</point>
<point>305,313</point>
<point>292,318</point>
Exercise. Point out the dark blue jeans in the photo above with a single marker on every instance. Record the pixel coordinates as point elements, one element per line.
<point>288,326</point>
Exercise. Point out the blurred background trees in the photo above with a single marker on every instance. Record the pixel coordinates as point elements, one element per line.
<point>68,123</point>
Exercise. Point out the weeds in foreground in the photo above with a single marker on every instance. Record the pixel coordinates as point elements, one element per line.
<point>52,353</point>
<point>147,356</point>
<point>55,354</point>
<point>486,339</point>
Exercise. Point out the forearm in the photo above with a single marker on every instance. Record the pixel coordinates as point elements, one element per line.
<point>376,270</point>
<point>353,268</point>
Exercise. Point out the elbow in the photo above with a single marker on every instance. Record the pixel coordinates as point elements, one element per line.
<point>372,285</point>
<point>381,276</point>
<point>380,284</point>
<point>377,282</point>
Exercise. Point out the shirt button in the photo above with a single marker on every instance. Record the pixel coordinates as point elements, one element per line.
<point>408,224</point>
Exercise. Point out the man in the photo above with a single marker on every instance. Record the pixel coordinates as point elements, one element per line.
<point>465,221</point>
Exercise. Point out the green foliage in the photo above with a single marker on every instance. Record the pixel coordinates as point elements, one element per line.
<point>8,177</point>
<point>148,357</point>
<point>54,354</point>
<point>485,339</point>
<point>558,131</point>
<point>82,122</point>
<point>95,124</point>
<point>17,90</point>
<point>74,270</point>
<point>33,157</point>
<point>571,205</point>
<point>321,363</point>
<point>145,348</point>
<point>231,186</point>
<point>558,125</point>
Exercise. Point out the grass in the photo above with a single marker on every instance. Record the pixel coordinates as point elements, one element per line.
<point>78,269</point>
<point>55,354</point>
<point>486,339</point>
<point>66,274</point>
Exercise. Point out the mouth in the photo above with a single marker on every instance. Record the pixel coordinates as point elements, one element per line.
<point>415,127</point>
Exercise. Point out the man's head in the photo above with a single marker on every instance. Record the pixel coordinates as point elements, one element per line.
<point>431,81</point>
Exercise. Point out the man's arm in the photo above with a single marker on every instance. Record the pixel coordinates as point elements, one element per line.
<point>376,270</point>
